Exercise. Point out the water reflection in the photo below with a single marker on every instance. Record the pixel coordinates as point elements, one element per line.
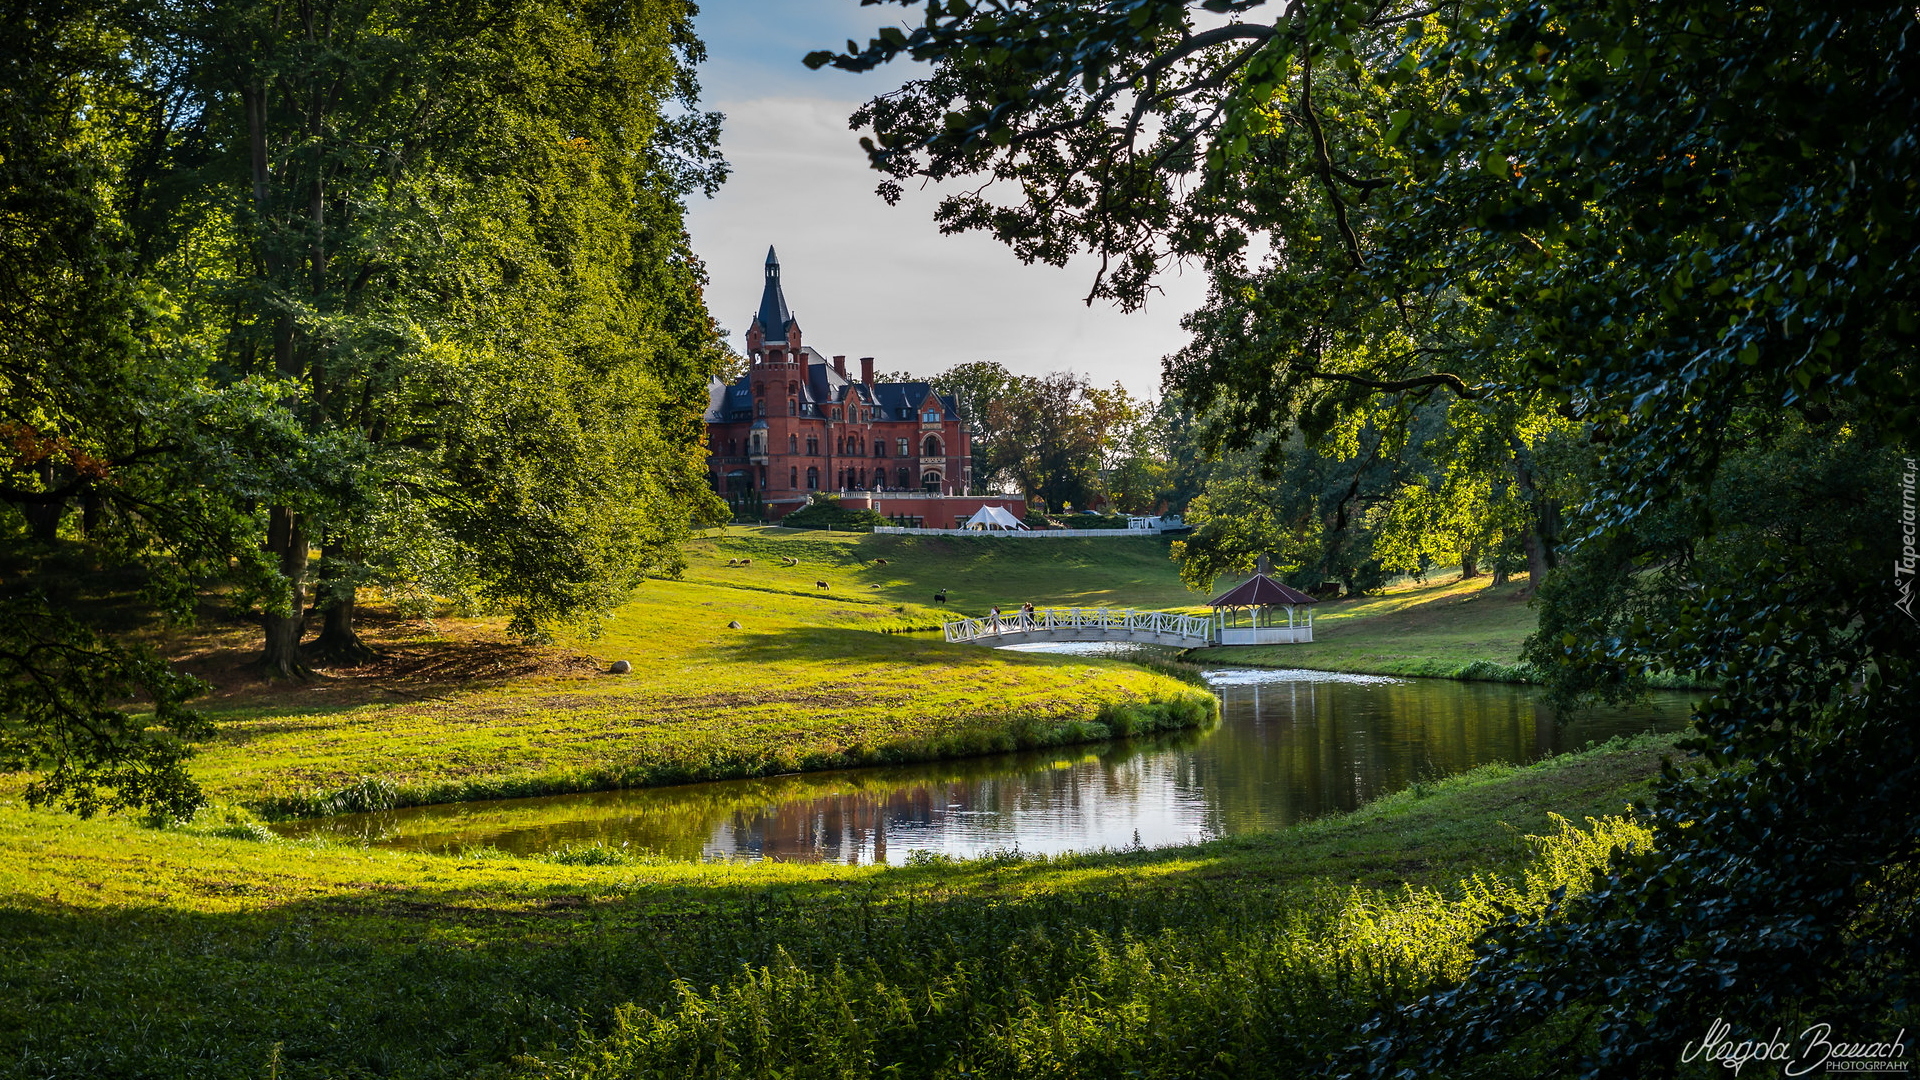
<point>1291,745</point>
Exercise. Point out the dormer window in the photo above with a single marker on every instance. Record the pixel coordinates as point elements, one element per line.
<point>836,412</point>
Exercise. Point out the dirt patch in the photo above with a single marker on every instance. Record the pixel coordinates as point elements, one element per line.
<point>414,660</point>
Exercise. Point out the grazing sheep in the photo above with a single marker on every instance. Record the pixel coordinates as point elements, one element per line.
<point>746,562</point>
<point>789,562</point>
<point>819,584</point>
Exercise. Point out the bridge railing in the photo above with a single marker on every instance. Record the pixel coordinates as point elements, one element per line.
<point>1099,621</point>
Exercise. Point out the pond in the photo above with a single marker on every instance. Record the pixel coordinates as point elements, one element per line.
<point>1290,745</point>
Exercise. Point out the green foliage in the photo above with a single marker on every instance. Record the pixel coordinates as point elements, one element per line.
<point>1026,989</point>
<point>1635,241</point>
<point>62,689</point>
<point>267,288</point>
<point>362,960</point>
<point>824,511</point>
<point>1094,521</point>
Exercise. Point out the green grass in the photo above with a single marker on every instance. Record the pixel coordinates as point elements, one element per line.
<point>143,953</point>
<point>806,683</point>
<point>977,573</point>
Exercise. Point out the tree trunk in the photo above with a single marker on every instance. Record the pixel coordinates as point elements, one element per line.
<point>1469,564</point>
<point>287,542</point>
<point>338,644</point>
<point>1500,560</point>
<point>1539,558</point>
<point>43,518</point>
<point>1538,539</point>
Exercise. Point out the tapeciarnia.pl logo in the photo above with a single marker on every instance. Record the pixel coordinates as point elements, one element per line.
<point>1903,567</point>
<point>1817,1050</point>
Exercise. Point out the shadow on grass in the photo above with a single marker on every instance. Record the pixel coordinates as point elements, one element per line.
<point>430,978</point>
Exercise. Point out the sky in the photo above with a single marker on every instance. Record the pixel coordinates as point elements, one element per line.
<point>864,278</point>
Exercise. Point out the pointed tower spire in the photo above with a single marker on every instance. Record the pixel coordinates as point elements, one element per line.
<point>774,315</point>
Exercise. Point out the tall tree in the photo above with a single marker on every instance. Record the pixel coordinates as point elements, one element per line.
<point>404,281</point>
<point>499,373</point>
<point>1674,223</point>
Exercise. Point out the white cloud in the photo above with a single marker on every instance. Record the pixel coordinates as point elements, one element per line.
<point>866,279</point>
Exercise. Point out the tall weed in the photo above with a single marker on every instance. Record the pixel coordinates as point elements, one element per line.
<point>1197,981</point>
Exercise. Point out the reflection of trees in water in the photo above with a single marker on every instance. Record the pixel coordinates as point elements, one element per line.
<point>1283,752</point>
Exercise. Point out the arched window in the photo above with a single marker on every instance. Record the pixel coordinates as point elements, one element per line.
<point>813,479</point>
<point>793,444</point>
<point>793,388</point>
<point>759,389</point>
<point>793,407</point>
<point>931,481</point>
<point>793,477</point>
<point>759,408</point>
<point>733,446</point>
<point>813,445</point>
<point>906,478</point>
<point>932,447</point>
<point>879,448</point>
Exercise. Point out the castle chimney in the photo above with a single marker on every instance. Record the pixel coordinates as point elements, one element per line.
<point>866,370</point>
<point>840,365</point>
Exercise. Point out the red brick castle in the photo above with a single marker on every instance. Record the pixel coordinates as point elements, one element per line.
<point>797,423</point>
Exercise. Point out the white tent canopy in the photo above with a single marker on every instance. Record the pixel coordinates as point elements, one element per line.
<point>993,517</point>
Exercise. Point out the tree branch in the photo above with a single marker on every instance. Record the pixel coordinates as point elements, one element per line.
<point>1395,386</point>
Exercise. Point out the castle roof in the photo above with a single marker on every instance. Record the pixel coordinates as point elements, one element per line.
<point>822,384</point>
<point>773,316</point>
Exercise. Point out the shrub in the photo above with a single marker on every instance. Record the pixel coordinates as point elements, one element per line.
<point>825,511</point>
<point>1094,521</point>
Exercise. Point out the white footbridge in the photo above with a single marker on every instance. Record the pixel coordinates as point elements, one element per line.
<point>1113,624</point>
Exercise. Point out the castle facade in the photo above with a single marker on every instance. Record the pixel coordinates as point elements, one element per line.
<point>798,422</point>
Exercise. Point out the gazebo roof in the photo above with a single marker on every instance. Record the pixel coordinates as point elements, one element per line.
<point>1261,591</point>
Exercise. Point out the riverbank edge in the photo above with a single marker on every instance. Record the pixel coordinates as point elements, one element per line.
<point>1188,709</point>
<point>1427,668</point>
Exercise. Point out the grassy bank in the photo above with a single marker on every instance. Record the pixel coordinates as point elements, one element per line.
<point>1446,628</point>
<point>143,953</point>
<point>804,682</point>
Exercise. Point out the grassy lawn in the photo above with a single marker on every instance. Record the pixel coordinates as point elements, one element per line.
<point>976,573</point>
<point>806,682</point>
<point>134,952</point>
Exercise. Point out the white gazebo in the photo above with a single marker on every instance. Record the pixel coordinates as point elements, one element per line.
<point>1263,598</point>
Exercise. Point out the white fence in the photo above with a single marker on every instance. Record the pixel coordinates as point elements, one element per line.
<point>895,530</point>
<point>1077,624</point>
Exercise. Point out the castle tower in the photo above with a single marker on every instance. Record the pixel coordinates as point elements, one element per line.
<point>773,326</point>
